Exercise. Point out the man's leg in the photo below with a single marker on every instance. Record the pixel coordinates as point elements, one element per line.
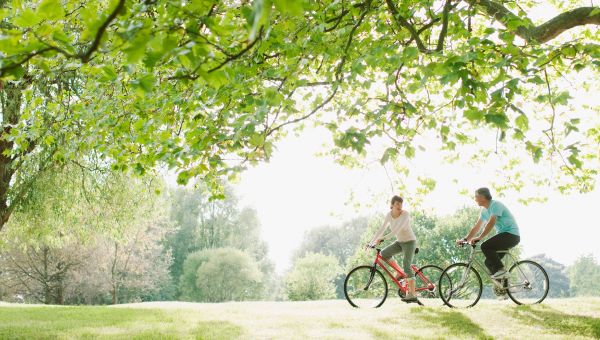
<point>502,241</point>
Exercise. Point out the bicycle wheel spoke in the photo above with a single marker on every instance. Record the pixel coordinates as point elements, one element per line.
<point>364,288</point>
<point>527,283</point>
<point>426,282</point>
<point>460,286</point>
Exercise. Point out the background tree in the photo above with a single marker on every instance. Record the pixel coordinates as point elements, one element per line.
<point>79,226</point>
<point>312,278</point>
<point>557,274</point>
<point>338,241</point>
<point>40,274</point>
<point>584,275</point>
<point>221,274</point>
<point>202,223</point>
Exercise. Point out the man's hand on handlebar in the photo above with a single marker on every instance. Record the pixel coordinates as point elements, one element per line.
<point>463,241</point>
<point>474,240</point>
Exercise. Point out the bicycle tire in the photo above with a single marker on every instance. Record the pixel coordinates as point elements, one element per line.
<point>359,277</point>
<point>521,275</point>
<point>429,296</point>
<point>449,286</point>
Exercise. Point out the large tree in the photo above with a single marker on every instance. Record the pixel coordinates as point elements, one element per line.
<point>206,86</point>
<point>82,236</point>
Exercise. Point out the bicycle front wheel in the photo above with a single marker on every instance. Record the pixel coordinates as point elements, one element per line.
<point>527,283</point>
<point>365,287</point>
<point>460,286</point>
<point>426,285</point>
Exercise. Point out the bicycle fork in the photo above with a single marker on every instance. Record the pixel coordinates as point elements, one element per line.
<point>373,268</point>
<point>464,277</point>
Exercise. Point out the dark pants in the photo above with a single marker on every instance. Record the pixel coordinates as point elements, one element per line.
<point>502,241</point>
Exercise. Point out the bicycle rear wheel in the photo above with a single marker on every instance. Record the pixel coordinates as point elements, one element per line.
<point>460,286</point>
<point>426,285</point>
<point>528,283</point>
<point>365,287</point>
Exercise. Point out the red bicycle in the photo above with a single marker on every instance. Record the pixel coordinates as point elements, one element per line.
<point>365,286</point>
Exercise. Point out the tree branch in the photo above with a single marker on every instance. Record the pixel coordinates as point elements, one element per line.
<point>444,31</point>
<point>85,56</point>
<point>544,32</point>
<point>402,22</point>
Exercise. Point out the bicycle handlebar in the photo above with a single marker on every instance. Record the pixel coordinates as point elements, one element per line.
<point>462,243</point>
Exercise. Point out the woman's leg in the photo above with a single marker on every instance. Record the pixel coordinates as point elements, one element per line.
<point>408,249</point>
<point>408,252</point>
<point>391,250</point>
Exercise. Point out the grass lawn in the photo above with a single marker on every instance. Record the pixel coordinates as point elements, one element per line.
<point>334,319</point>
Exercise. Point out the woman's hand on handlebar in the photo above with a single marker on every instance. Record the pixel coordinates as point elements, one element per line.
<point>373,245</point>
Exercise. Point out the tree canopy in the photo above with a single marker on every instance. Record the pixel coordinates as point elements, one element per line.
<point>206,87</point>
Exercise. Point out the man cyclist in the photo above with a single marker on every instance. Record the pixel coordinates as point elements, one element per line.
<point>493,214</point>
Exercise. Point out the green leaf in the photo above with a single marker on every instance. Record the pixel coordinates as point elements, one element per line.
<point>497,119</point>
<point>256,139</point>
<point>522,122</point>
<point>387,154</point>
<point>15,73</point>
<point>27,18</point>
<point>292,7</point>
<point>140,171</point>
<point>473,114</point>
<point>409,152</point>
<point>146,83</point>
<point>108,74</point>
<point>569,51</point>
<point>262,11</point>
<point>410,53</point>
<point>51,9</point>
<point>562,98</point>
<point>183,177</point>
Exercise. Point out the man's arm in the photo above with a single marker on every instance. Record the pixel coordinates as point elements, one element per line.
<point>473,230</point>
<point>486,230</point>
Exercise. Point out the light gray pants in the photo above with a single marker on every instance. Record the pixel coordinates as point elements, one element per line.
<point>408,251</point>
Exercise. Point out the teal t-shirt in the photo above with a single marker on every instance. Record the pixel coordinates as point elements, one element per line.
<point>505,221</point>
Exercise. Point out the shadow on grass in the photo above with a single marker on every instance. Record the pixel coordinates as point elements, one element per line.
<point>566,324</point>
<point>456,323</point>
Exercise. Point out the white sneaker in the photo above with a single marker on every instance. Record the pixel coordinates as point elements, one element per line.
<point>500,274</point>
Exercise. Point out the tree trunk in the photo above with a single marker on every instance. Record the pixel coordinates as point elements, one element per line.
<point>11,99</point>
<point>114,294</point>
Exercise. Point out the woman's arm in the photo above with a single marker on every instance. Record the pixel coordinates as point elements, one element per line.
<point>379,233</point>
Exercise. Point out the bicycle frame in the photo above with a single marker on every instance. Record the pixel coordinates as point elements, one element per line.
<point>379,260</point>
<point>473,260</point>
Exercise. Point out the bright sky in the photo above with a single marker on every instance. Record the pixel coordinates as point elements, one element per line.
<point>297,191</point>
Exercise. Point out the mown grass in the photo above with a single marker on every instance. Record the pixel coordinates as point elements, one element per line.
<point>107,323</point>
<point>554,319</point>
